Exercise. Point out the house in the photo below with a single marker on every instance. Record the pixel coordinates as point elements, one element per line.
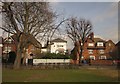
<point>97,49</point>
<point>58,46</point>
<point>55,46</point>
<point>116,52</point>
<point>10,44</point>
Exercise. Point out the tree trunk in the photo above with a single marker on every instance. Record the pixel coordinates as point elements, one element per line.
<point>80,55</point>
<point>24,58</point>
<point>17,62</point>
<point>77,53</point>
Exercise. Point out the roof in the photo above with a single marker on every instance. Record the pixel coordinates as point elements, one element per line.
<point>98,40</point>
<point>58,40</point>
<point>31,39</point>
<point>118,44</point>
<point>110,41</point>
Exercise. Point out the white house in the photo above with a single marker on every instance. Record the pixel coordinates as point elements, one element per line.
<point>55,46</point>
<point>58,46</point>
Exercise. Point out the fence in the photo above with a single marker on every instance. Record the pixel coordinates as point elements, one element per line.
<point>50,61</point>
<point>66,61</point>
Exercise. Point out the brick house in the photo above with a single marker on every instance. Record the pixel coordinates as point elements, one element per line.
<point>10,44</point>
<point>116,52</point>
<point>97,49</point>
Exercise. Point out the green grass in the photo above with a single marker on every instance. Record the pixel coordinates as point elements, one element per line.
<point>63,75</point>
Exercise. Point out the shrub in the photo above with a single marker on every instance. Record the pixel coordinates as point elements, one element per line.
<point>55,56</point>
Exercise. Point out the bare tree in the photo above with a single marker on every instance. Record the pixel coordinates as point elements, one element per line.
<point>27,20</point>
<point>78,31</point>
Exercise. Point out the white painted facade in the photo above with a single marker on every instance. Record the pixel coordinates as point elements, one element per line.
<point>58,46</point>
<point>43,50</point>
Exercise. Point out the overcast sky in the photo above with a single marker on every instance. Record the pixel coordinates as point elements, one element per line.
<point>103,16</point>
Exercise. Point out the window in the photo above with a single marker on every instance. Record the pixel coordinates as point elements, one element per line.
<point>1,45</point>
<point>90,44</point>
<point>100,44</point>
<point>59,45</point>
<point>109,44</point>
<point>90,51</point>
<point>92,57</point>
<point>101,51</point>
<point>9,40</point>
<point>82,57</point>
<point>32,48</point>
<point>102,57</point>
<point>7,49</point>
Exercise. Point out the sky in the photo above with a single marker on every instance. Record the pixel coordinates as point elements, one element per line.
<point>103,16</point>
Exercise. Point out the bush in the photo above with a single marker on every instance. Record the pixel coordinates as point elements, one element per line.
<point>55,56</point>
<point>12,56</point>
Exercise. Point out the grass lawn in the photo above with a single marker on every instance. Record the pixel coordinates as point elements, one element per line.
<point>62,75</point>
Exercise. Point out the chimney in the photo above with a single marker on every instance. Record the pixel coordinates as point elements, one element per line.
<point>92,36</point>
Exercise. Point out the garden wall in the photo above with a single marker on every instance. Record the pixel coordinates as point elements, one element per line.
<point>101,62</point>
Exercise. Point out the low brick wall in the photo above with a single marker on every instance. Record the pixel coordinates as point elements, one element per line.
<point>101,62</point>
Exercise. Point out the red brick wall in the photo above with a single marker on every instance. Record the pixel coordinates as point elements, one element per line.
<point>101,62</point>
<point>106,49</point>
<point>13,47</point>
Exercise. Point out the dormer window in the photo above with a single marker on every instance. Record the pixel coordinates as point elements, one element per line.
<point>90,44</point>
<point>100,44</point>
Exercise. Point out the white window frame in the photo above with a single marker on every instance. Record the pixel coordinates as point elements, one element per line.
<point>91,56</point>
<point>90,51</point>
<point>82,57</point>
<point>7,49</point>
<point>10,40</point>
<point>90,44</point>
<point>109,44</point>
<point>100,44</point>
<point>1,45</point>
<point>101,51</point>
<point>103,57</point>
